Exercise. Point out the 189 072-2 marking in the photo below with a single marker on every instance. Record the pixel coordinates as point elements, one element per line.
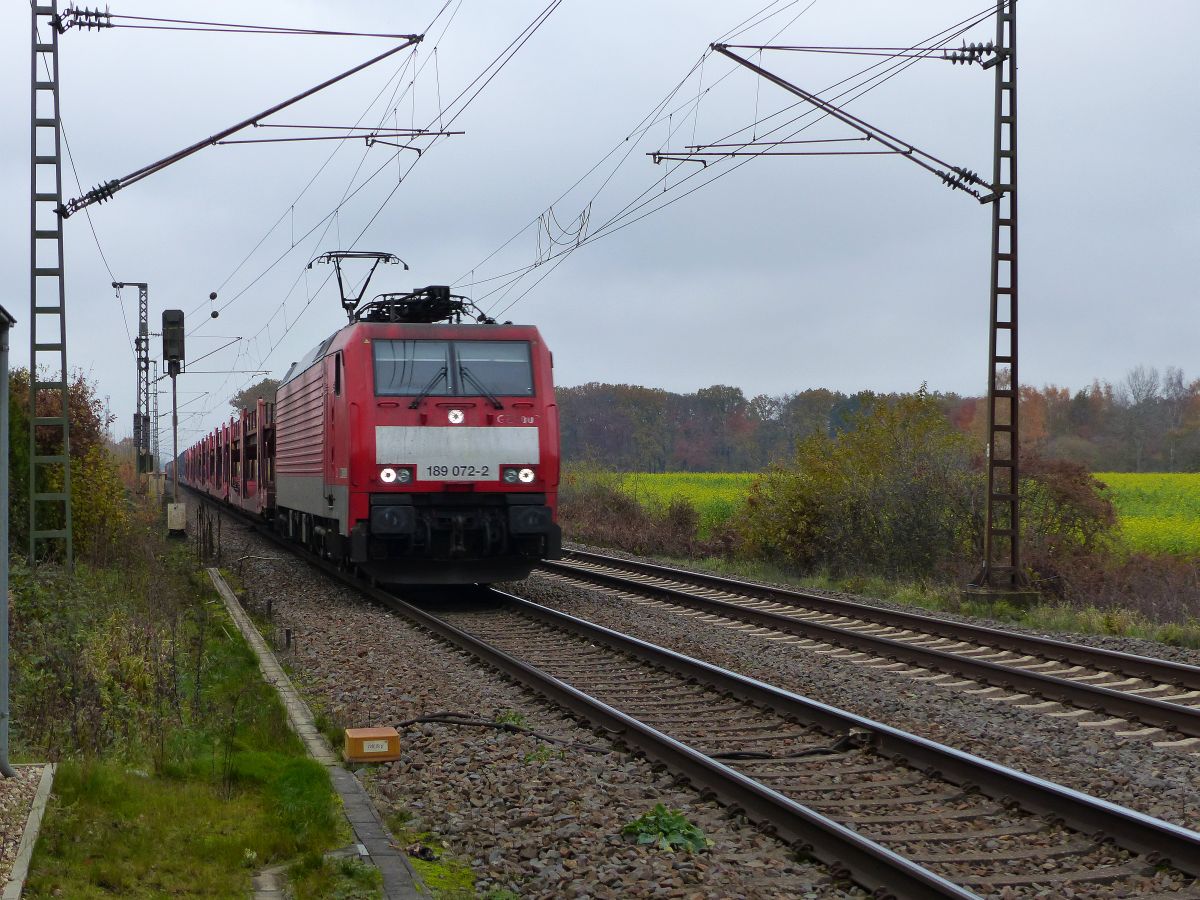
<point>433,470</point>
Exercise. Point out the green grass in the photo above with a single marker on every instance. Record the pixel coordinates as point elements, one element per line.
<point>1159,512</point>
<point>318,878</point>
<point>447,877</point>
<point>226,792</point>
<point>110,831</point>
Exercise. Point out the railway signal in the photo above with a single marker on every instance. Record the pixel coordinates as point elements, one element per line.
<point>173,355</point>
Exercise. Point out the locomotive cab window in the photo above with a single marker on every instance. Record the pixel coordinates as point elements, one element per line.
<point>500,366</point>
<point>412,367</point>
<point>449,369</point>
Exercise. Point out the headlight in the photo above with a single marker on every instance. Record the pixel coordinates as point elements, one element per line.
<point>510,476</point>
<point>526,475</point>
<point>404,475</point>
<point>387,476</point>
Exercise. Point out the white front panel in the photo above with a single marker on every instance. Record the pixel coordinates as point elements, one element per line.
<point>456,452</point>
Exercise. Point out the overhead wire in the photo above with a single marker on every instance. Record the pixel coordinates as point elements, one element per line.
<point>866,86</point>
<point>398,74</point>
<point>232,27</point>
<point>348,193</point>
<point>652,118</point>
<point>398,79</point>
<point>91,224</point>
<point>494,67</point>
<point>470,93</point>
<point>615,223</point>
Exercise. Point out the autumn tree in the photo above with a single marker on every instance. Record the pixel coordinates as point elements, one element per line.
<point>247,397</point>
<point>893,491</point>
<point>99,510</point>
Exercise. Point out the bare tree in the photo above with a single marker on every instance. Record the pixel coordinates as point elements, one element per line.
<point>1141,386</point>
<point>1176,394</point>
<point>1140,393</point>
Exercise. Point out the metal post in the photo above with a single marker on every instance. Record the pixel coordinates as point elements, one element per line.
<point>47,296</point>
<point>143,459</point>
<point>1001,569</point>
<point>155,462</point>
<point>6,322</point>
<point>174,334</point>
<point>143,373</point>
<point>174,441</point>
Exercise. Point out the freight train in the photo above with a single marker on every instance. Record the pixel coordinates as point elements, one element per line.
<point>414,446</point>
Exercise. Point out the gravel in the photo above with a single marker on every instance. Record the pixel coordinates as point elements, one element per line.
<point>16,799</point>
<point>543,824</point>
<point>1127,771</point>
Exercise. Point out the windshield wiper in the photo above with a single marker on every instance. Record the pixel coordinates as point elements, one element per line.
<point>428,389</point>
<point>479,386</point>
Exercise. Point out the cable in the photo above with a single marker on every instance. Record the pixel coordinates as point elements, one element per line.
<point>610,227</point>
<point>648,121</point>
<point>396,77</point>
<point>494,67</point>
<point>91,225</point>
<point>490,71</point>
<point>231,28</point>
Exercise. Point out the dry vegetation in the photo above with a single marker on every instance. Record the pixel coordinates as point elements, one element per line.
<point>896,500</point>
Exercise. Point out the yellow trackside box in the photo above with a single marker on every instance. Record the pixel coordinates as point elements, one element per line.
<point>369,745</point>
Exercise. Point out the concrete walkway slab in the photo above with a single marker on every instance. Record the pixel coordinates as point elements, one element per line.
<point>400,882</point>
<point>33,825</point>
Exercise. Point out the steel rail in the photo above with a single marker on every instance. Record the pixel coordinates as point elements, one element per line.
<point>1170,716</point>
<point>845,851</point>
<point>1160,841</point>
<point>867,862</point>
<point>1076,654</point>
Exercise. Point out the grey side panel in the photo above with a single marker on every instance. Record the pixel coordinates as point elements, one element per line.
<point>306,493</point>
<point>452,445</point>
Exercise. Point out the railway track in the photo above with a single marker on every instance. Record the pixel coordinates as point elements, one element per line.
<point>923,817</point>
<point>898,814</point>
<point>1135,696</point>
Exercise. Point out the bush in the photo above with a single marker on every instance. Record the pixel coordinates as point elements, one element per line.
<point>900,494</point>
<point>895,493</point>
<point>594,507</point>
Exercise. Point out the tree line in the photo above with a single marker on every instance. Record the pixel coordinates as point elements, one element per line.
<point>1149,421</point>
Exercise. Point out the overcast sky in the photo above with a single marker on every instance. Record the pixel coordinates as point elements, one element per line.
<point>776,275</point>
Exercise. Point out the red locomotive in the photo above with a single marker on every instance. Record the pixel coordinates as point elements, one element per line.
<point>412,446</point>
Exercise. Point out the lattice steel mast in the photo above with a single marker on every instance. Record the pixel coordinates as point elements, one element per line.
<point>1001,566</point>
<point>49,471</point>
<point>141,345</point>
<point>154,458</point>
<point>1002,528</point>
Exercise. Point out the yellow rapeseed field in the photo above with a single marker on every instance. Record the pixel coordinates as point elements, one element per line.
<point>716,495</point>
<point>1159,513</point>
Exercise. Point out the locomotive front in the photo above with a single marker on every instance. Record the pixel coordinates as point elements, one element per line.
<point>422,452</point>
<point>457,450</point>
